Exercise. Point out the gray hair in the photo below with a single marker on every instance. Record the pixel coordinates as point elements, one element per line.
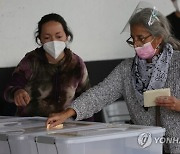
<point>159,27</point>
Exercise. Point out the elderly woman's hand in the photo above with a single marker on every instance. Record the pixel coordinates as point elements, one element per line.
<point>170,102</point>
<point>58,118</point>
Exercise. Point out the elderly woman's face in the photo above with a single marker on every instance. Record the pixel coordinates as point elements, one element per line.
<point>140,36</point>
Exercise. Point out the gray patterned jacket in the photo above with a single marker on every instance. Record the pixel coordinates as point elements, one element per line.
<point>119,83</point>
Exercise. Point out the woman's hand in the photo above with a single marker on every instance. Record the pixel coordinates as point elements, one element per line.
<point>21,97</point>
<point>170,102</point>
<point>58,118</point>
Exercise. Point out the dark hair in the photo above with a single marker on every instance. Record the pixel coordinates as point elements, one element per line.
<point>52,17</point>
<point>160,26</point>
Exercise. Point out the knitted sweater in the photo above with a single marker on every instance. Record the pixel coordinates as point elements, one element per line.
<point>119,84</point>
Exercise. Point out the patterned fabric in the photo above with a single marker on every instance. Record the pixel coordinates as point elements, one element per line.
<point>51,87</point>
<point>150,76</point>
<point>119,84</point>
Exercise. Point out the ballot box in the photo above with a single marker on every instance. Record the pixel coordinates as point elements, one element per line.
<point>20,122</point>
<point>18,136</point>
<point>14,126</point>
<point>4,118</point>
<point>112,139</point>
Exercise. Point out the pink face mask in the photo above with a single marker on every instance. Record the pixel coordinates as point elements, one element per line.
<point>146,51</point>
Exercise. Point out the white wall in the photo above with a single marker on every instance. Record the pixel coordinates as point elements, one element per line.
<point>96,25</point>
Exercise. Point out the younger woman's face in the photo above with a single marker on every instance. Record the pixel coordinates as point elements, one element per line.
<point>52,31</point>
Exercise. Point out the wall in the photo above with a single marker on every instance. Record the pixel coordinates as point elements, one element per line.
<point>96,25</point>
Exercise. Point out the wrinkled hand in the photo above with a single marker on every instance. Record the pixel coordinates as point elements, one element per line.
<point>21,97</point>
<point>58,118</point>
<point>170,102</point>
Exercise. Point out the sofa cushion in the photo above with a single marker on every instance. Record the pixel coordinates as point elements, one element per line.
<point>6,109</point>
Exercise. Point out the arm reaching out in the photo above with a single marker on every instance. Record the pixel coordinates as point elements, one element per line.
<point>58,118</point>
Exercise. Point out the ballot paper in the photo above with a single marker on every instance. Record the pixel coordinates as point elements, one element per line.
<point>60,126</point>
<point>151,95</point>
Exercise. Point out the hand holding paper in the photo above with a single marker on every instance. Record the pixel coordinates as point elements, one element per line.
<point>151,95</point>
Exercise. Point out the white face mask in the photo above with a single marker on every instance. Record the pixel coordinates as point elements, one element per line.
<point>54,48</point>
<point>176,4</point>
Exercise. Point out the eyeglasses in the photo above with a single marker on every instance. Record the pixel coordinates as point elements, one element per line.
<point>141,39</point>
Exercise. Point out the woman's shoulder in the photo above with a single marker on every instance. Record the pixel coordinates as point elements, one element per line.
<point>72,61</point>
<point>126,62</point>
<point>76,59</point>
<point>32,57</point>
<point>176,55</point>
<point>33,53</point>
<point>175,59</point>
<point>36,55</point>
<point>124,66</point>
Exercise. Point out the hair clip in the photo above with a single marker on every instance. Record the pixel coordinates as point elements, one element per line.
<point>153,16</point>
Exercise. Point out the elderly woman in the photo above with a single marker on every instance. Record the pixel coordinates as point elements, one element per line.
<point>155,66</point>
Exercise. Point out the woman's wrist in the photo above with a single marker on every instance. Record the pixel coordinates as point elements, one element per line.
<point>70,112</point>
<point>177,105</point>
